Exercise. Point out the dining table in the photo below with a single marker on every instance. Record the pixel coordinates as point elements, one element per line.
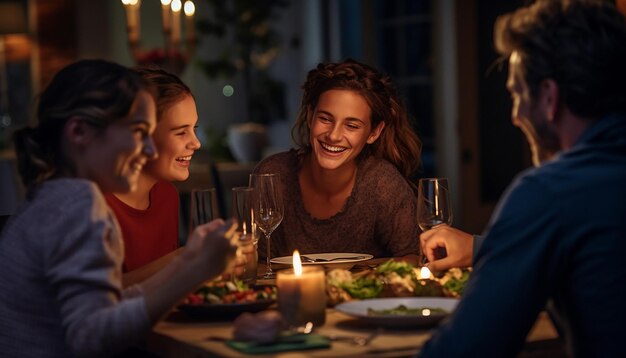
<point>181,335</point>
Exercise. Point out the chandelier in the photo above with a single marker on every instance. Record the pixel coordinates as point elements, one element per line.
<point>176,53</point>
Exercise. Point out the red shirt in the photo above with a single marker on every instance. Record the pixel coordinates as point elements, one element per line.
<point>152,233</point>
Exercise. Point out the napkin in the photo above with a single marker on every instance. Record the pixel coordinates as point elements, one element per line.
<point>288,343</point>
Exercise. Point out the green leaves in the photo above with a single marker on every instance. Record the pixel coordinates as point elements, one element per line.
<point>364,287</point>
<point>401,268</point>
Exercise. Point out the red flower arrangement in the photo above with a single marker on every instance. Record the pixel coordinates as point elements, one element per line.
<point>172,59</point>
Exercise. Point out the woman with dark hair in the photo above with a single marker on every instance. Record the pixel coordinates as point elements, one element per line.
<point>61,253</point>
<point>347,184</point>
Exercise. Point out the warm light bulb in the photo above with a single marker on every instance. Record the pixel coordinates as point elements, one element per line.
<point>176,5</point>
<point>297,263</point>
<point>190,8</point>
<point>425,273</point>
<point>165,2</point>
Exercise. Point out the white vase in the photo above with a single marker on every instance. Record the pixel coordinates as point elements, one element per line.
<point>247,141</point>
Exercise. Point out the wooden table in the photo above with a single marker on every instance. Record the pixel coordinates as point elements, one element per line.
<point>178,336</point>
<point>181,336</point>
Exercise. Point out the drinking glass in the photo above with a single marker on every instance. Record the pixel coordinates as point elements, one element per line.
<point>203,207</point>
<point>245,229</point>
<point>433,205</point>
<point>267,209</point>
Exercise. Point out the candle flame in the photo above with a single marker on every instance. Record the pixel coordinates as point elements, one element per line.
<point>425,272</point>
<point>297,263</point>
<point>190,8</point>
<point>176,5</point>
<point>165,2</point>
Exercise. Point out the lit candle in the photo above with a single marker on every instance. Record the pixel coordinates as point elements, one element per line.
<point>132,19</point>
<point>190,9</point>
<point>176,7</point>
<point>426,286</point>
<point>166,16</point>
<point>302,294</point>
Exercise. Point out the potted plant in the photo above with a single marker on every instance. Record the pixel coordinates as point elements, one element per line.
<point>252,48</point>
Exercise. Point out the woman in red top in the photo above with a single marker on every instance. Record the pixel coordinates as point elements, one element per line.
<point>148,216</point>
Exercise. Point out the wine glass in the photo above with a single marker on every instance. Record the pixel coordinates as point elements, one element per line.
<point>433,205</point>
<point>267,209</point>
<point>245,229</point>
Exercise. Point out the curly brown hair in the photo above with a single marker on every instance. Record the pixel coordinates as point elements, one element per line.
<point>580,44</point>
<point>397,143</point>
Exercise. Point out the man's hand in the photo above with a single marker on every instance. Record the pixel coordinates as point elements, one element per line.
<point>459,247</point>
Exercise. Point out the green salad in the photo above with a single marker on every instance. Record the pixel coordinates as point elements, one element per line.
<point>363,287</point>
<point>393,279</point>
<point>399,267</point>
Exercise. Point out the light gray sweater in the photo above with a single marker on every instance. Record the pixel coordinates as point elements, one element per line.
<point>60,277</point>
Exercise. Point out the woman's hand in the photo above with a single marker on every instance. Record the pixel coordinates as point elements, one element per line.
<point>245,253</point>
<point>212,248</point>
<point>459,247</point>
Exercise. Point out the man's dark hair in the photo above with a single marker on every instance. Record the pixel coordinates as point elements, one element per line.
<point>580,44</point>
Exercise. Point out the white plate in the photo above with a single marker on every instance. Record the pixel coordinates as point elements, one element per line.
<point>348,259</point>
<point>358,309</point>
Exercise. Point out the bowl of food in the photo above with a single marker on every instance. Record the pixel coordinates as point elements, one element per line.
<point>393,279</point>
<point>228,299</point>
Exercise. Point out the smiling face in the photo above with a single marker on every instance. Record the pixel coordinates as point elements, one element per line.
<point>176,141</point>
<point>528,115</point>
<point>340,128</point>
<point>114,156</point>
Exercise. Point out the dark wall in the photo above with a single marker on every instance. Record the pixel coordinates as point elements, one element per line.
<point>503,149</point>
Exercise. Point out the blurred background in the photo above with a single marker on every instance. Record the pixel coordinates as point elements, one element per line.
<point>245,61</point>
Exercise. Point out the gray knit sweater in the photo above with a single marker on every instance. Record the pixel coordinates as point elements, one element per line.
<point>60,277</point>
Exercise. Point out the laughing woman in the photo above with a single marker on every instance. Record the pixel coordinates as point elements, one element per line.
<point>148,216</point>
<point>61,253</point>
<point>347,184</point>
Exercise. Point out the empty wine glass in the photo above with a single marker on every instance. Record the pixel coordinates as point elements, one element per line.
<point>433,205</point>
<point>268,209</point>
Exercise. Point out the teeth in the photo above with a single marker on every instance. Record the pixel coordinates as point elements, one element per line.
<point>332,148</point>
<point>187,158</point>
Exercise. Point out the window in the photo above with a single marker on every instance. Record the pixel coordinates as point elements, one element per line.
<point>395,36</point>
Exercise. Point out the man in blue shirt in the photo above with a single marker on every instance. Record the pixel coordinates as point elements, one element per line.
<point>558,234</point>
